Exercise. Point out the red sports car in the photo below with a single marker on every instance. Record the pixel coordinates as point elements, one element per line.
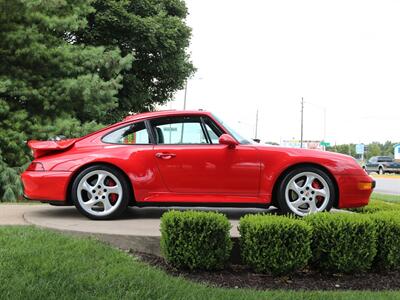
<point>188,158</point>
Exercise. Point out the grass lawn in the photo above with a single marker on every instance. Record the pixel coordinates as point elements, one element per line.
<point>40,264</point>
<point>380,202</point>
<point>385,197</point>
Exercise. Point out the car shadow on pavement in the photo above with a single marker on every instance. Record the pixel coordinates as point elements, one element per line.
<point>157,212</point>
<point>135,213</point>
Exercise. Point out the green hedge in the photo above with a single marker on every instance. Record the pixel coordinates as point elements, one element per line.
<point>274,244</point>
<point>195,240</point>
<point>343,242</point>
<point>388,239</point>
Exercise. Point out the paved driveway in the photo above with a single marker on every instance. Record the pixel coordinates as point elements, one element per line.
<point>388,185</point>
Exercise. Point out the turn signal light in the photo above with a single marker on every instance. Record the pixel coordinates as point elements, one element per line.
<point>365,186</point>
<point>35,166</point>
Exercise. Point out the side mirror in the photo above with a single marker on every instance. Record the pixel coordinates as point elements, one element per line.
<point>226,139</point>
<point>257,140</point>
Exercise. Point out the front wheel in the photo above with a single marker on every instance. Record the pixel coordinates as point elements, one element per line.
<point>306,190</point>
<point>380,171</point>
<point>100,192</point>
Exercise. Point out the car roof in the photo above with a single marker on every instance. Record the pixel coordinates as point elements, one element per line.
<point>163,113</point>
<point>147,115</point>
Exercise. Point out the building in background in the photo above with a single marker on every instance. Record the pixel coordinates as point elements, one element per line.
<point>397,152</point>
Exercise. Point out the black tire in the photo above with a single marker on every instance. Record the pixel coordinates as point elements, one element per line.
<point>122,204</point>
<point>281,190</point>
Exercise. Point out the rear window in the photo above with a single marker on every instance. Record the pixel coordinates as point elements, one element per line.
<point>132,134</point>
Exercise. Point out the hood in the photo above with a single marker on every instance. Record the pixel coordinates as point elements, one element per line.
<point>309,152</point>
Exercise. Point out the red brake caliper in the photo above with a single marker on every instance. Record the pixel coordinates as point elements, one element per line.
<point>317,185</point>
<point>113,197</point>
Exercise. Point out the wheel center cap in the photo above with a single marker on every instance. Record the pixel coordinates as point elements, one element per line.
<point>99,193</point>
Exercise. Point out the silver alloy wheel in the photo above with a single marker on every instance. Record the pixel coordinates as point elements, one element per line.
<point>306,193</point>
<point>99,193</point>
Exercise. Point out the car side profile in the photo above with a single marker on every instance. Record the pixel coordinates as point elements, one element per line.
<point>382,165</point>
<point>188,158</point>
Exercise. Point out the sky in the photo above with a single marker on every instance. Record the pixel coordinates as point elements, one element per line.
<point>340,56</point>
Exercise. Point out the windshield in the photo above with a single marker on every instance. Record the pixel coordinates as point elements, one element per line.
<point>237,136</point>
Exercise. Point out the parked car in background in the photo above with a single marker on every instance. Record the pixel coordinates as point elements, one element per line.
<point>382,165</point>
<point>188,158</point>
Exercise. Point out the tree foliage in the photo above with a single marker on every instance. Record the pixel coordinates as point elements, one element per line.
<point>154,31</point>
<point>371,149</point>
<point>67,67</point>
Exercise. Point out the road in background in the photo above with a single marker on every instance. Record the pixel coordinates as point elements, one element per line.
<point>387,185</point>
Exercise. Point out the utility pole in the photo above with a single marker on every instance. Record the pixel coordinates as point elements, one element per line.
<point>184,99</point>
<point>302,112</point>
<point>256,129</point>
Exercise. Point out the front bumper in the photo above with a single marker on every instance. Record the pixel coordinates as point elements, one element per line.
<point>354,190</point>
<point>45,185</point>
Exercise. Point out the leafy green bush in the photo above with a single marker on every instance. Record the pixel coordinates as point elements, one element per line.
<point>343,242</point>
<point>388,239</point>
<point>195,240</point>
<point>274,244</point>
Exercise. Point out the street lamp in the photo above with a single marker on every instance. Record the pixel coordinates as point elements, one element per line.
<point>255,126</point>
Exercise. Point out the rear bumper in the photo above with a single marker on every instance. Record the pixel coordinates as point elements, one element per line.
<point>354,190</point>
<point>45,185</point>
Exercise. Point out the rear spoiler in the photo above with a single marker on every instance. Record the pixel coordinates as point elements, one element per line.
<point>42,148</point>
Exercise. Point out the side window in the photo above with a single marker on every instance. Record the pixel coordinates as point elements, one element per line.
<point>213,136</point>
<point>214,132</point>
<point>179,130</point>
<point>132,134</point>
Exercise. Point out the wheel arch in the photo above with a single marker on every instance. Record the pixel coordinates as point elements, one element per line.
<point>85,166</point>
<point>299,165</point>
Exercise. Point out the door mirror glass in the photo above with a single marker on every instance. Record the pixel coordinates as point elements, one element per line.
<point>226,139</point>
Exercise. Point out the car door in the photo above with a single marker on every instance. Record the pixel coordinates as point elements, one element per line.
<point>372,165</point>
<point>191,161</point>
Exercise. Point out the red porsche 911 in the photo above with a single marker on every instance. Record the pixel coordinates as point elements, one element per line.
<point>188,158</point>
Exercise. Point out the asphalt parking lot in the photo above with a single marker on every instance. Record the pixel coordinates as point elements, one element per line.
<point>388,185</point>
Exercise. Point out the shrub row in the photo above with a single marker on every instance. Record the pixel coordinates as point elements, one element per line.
<point>343,242</point>
<point>195,240</point>
<point>274,244</point>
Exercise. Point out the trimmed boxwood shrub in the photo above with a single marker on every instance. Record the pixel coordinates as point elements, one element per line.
<point>274,244</point>
<point>195,240</point>
<point>388,239</point>
<point>342,242</point>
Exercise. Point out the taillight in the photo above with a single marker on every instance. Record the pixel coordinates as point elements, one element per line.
<point>35,166</point>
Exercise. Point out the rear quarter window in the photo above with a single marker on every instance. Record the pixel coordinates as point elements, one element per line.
<point>132,134</point>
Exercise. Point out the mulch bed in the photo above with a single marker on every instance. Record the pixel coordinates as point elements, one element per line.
<point>238,276</point>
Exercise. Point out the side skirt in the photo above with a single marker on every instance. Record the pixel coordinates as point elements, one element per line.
<point>200,204</point>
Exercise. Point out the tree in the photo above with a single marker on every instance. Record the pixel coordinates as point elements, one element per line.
<point>374,149</point>
<point>154,31</point>
<point>348,149</point>
<point>49,84</point>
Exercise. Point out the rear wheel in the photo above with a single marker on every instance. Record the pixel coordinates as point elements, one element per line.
<point>100,192</point>
<point>306,190</point>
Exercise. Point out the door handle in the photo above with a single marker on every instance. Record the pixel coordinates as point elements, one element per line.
<point>165,155</point>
